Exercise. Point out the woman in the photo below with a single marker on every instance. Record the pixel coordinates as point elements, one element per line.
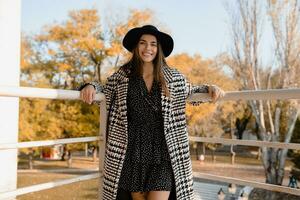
<point>147,151</point>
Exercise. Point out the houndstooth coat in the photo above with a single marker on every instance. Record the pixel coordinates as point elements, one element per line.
<point>175,129</point>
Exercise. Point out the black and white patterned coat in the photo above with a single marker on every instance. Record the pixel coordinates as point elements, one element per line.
<point>175,130</point>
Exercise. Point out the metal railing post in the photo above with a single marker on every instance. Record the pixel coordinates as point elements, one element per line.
<point>102,144</point>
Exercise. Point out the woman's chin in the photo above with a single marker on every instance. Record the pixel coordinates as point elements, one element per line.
<point>147,60</point>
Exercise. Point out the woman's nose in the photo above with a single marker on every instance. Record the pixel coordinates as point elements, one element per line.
<point>148,46</point>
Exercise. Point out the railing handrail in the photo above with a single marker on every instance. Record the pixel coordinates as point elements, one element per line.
<point>224,141</point>
<point>254,143</point>
<point>272,94</point>
<point>255,184</point>
<point>45,93</point>
<point>48,185</point>
<point>41,143</point>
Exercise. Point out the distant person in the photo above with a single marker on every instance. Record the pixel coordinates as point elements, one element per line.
<point>147,152</point>
<point>91,150</point>
<point>293,182</point>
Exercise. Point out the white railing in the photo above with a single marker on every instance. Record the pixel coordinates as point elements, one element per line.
<point>49,185</point>
<point>48,142</point>
<point>256,95</point>
<point>74,95</point>
<point>253,143</point>
<point>55,94</point>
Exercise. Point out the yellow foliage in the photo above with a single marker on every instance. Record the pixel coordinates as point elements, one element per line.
<point>115,49</point>
<point>26,53</point>
<point>204,71</point>
<point>63,67</point>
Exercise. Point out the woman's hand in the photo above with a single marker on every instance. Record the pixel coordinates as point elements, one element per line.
<point>215,93</point>
<point>87,94</point>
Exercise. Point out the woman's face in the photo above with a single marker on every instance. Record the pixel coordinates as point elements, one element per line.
<point>147,47</point>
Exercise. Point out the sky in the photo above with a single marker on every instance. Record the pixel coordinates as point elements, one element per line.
<point>197,27</point>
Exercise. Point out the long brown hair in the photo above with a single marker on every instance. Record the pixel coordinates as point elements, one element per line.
<point>136,69</point>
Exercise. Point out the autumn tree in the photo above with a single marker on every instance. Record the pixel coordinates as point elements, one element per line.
<point>74,50</point>
<point>61,57</point>
<point>285,24</point>
<point>64,55</point>
<point>247,67</point>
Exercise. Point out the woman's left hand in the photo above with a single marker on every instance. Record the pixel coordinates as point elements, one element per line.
<point>215,93</point>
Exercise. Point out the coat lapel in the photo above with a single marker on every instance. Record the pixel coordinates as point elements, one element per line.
<point>166,101</point>
<point>122,89</point>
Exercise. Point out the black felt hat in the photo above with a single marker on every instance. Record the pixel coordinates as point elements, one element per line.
<point>132,37</point>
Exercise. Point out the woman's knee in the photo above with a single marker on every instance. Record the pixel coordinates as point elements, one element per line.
<point>139,195</point>
<point>158,195</point>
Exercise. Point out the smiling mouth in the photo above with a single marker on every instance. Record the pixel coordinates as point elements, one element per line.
<point>147,54</point>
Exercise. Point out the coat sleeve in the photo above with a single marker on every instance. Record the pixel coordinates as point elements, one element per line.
<point>192,89</point>
<point>108,88</point>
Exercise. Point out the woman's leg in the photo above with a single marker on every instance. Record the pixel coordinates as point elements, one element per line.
<point>158,195</point>
<point>139,195</point>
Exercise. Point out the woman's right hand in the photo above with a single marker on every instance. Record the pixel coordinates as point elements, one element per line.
<point>87,94</point>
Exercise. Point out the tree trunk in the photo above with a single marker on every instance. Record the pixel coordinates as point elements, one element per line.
<point>30,159</point>
<point>241,125</point>
<point>258,153</point>
<point>232,137</point>
<point>98,72</point>
<point>271,166</point>
<point>232,155</point>
<point>198,145</point>
<point>214,158</point>
<point>69,161</point>
<point>86,149</point>
<point>117,61</point>
<point>274,159</point>
<point>283,153</point>
<point>64,152</point>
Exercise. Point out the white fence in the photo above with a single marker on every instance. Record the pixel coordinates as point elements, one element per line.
<point>73,95</point>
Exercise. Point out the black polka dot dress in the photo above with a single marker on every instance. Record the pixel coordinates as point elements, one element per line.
<point>147,166</point>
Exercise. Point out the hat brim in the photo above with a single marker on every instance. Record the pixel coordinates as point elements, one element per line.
<point>132,37</point>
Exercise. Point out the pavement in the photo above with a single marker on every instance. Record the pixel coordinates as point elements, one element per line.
<point>209,191</point>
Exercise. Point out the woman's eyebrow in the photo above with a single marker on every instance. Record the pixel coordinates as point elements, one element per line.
<point>142,40</point>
